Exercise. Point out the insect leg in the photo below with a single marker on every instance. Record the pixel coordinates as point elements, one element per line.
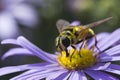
<point>73,51</point>
<point>82,44</point>
<point>67,54</point>
<point>96,43</point>
<point>93,34</point>
<point>60,49</point>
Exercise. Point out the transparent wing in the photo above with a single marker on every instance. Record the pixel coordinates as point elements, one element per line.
<point>62,24</point>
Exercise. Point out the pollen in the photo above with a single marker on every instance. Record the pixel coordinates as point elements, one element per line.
<point>77,59</point>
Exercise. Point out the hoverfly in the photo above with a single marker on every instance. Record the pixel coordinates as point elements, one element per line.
<point>70,35</point>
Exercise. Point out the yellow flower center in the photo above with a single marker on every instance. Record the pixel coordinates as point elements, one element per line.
<point>77,59</point>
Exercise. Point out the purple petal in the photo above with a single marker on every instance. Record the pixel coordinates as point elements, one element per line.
<point>82,75</point>
<point>109,41</point>
<point>109,58</point>
<point>41,76</point>
<point>99,37</point>
<point>100,66</point>
<point>25,73</point>
<point>35,73</point>
<point>112,71</point>
<point>55,74</point>
<point>38,77</point>
<point>114,66</point>
<point>8,26</point>
<point>74,76</point>
<point>112,51</point>
<point>9,41</point>
<point>12,69</point>
<point>37,51</point>
<point>16,51</point>
<point>109,54</point>
<point>28,16</point>
<point>75,23</point>
<point>64,76</point>
<point>98,75</point>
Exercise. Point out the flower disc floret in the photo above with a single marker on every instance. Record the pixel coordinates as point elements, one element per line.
<point>77,59</point>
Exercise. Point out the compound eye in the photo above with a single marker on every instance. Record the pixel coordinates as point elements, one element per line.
<point>66,41</point>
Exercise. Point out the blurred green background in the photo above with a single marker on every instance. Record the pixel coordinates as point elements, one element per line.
<point>86,11</point>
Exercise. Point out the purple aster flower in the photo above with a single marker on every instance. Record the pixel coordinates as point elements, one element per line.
<point>88,60</point>
<point>12,11</point>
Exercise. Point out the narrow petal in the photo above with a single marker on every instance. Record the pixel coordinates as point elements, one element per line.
<point>82,75</point>
<point>37,51</point>
<point>112,39</point>
<point>12,69</point>
<point>100,66</point>
<point>55,74</point>
<point>38,77</point>
<point>74,76</point>
<point>8,26</point>
<point>25,73</point>
<point>99,37</point>
<point>64,76</point>
<point>28,16</point>
<point>112,51</point>
<point>16,51</point>
<point>107,54</point>
<point>98,75</point>
<point>9,41</point>
<point>42,72</point>
<point>114,66</point>
<point>109,58</point>
<point>39,68</point>
<point>41,76</point>
<point>112,71</point>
